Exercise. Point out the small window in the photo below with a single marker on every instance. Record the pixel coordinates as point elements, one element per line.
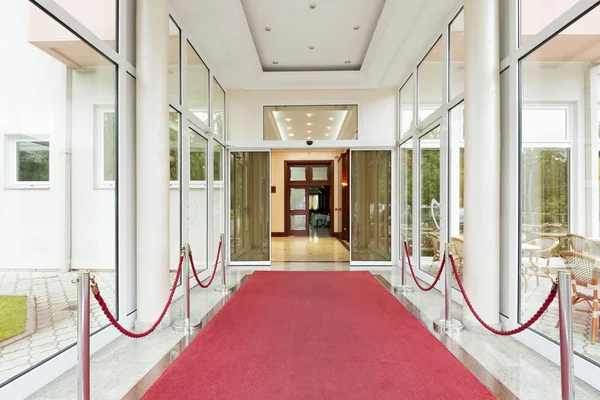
<point>28,160</point>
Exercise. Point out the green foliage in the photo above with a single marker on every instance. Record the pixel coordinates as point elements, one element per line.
<point>33,161</point>
<point>13,316</point>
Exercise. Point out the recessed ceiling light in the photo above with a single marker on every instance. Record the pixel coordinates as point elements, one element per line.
<point>309,138</point>
<point>309,115</point>
<point>275,62</point>
<point>312,6</point>
<point>347,62</point>
<point>331,118</point>
<point>290,128</point>
<point>288,120</point>
<point>311,47</point>
<point>327,134</point>
<point>308,123</point>
<point>356,27</point>
<point>268,29</point>
<point>290,134</point>
<point>309,131</point>
<point>328,127</point>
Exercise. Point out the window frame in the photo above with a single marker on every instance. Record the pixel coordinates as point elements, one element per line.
<point>11,161</point>
<point>100,110</point>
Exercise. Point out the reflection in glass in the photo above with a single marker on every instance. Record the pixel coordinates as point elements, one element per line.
<point>406,208</point>
<point>174,63</point>
<point>370,205</point>
<point>250,206</point>
<point>58,132</point>
<point>297,199</point>
<point>218,109</point>
<point>320,173</point>
<point>218,200</point>
<point>430,202</point>
<point>198,199</point>
<point>304,123</point>
<point>431,77</point>
<point>297,222</point>
<point>538,14</point>
<point>197,84</point>
<point>457,55</point>
<point>407,105</point>
<point>457,184</point>
<point>100,17</point>
<point>559,91</point>
<point>175,190</point>
<point>297,173</point>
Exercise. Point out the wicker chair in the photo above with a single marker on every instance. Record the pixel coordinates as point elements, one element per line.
<point>594,248</point>
<point>584,275</point>
<point>458,250</point>
<point>435,243</point>
<point>538,262</point>
<point>577,243</point>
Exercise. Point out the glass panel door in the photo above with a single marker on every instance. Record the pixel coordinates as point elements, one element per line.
<point>298,211</point>
<point>198,200</point>
<point>370,204</point>
<point>250,207</point>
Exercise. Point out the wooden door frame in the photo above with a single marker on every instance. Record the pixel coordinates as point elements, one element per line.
<point>307,184</point>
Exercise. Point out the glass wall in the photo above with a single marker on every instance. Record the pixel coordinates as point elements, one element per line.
<point>175,234</point>
<point>197,85</point>
<point>457,55</point>
<point>456,203</point>
<point>58,191</point>
<point>407,106</point>
<point>250,207</point>
<point>560,92</point>
<point>538,14</point>
<point>218,109</point>
<point>198,199</point>
<point>431,81</point>
<point>371,209</point>
<point>174,63</point>
<point>406,195</point>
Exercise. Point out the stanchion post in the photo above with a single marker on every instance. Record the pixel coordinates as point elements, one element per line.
<point>565,312</point>
<point>83,336</point>
<point>224,288</point>
<point>447,324</point>
<point>185,325</point>
<point>403,288</point>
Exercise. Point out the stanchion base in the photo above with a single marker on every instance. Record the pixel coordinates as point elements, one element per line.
<point>180,326</point>
<point>223,288</point>
<point>444,326</point>
<point>404,289</point>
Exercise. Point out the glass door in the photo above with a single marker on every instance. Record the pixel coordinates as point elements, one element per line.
<point>298,211</point>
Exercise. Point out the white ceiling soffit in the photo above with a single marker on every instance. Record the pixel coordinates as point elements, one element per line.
<point>312,35</point>
<point>401,29</point>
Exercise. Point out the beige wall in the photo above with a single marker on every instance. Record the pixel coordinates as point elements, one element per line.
<point>278,159</point>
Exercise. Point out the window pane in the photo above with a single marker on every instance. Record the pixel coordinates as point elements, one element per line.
<point>297,222</point>
<point>108,146</point>
<point>297,199</point>
<point>457,181</point>
<point>51,131</point>
<point>174,129</point>
<point>406,208</point>
<point>538,14</point>
<point>33,161</point>
<point>320,173</point>
<point>407,105</point>
<point>99,16</point>
<point>218,198</point>
<point>431,78</point>
<point>430,202</point>
<point>174,63</point>
<point>297,173</point>
<point>197,85</point>
<point>198,201</point>
<point>559,98</point>
<point>218,107</point>
<point>457,55</point>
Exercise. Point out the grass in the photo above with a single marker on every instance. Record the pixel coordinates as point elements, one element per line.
<point>13,316</point>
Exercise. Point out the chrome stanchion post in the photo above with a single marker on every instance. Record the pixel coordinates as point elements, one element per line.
<point>403,288</point>
<point>447,324</point>
<point>185,325</point>
<point>224,288</point>
<point>566,334</point>
<point>83,336</point>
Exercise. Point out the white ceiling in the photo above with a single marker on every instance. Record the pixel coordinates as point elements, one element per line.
<point>310,123</point>
<point>232,39</point>
<point>284,31</point>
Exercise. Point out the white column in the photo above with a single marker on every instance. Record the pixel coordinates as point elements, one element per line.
<point>152,160</point>
<point>482,161</point>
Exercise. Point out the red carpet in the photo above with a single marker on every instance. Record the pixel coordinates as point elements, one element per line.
<point>315,335</point>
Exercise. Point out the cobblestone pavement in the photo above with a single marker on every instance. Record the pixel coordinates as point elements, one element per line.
<point>56,312</point>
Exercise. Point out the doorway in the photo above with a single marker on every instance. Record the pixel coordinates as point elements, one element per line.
<point>307,211</point>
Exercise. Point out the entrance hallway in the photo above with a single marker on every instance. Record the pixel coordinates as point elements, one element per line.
<point>309,249</point>
<point>503,362</point>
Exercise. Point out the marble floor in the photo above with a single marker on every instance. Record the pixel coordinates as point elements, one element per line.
<point>119,366</point>
<point>55,297</point>
<point>309,249</point>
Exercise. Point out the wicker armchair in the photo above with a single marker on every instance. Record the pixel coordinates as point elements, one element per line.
<point>594,248</point>
<point>458,250</point>
<point>584,275</point>
<point>577,243</point>
<point>435,242</point>
<point>538,262</point>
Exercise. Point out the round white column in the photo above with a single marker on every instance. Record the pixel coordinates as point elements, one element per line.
<point>482,162</point>
<point>152,160</point>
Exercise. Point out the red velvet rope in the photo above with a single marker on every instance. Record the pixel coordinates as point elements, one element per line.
<point>526,325</point>
<point>214,273</point>
<point>119,327</point>
<point>437,278</point>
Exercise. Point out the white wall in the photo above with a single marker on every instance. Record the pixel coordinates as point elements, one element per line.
<point>377,112</point>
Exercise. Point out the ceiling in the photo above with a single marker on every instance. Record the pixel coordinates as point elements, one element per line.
<point>391,39</point>
<point>303,36</point>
